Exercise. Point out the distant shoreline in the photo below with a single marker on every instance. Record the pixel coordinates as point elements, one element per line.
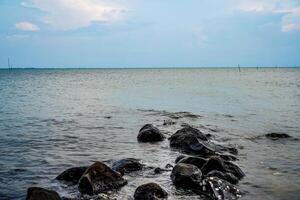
<point>139,68</point>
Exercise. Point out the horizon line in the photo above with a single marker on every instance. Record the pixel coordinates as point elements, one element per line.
<point>250,67</point>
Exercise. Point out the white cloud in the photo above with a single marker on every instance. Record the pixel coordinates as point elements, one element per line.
<point>290,20</point>
<point>27,26</point>
<point>74,14</point>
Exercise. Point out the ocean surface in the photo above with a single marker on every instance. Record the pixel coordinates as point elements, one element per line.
<point>53,119</point>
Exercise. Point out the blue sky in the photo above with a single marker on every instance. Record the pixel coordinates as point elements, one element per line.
<point>152,33</point>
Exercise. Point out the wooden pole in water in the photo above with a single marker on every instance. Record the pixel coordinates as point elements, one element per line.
<point>8,63</point>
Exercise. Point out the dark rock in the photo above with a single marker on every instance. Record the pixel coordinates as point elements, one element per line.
<point>225,176</point>
<point>150,191</point>
<point>186,176</point>
<point>197,161</point>
<point>127,165</point>
<point>179,158</point>
<point>168,166</point>
<point>218,164</point>
<point>100,178</point>
<point>228,157</point>
<point>149,133</point>
<point>158,170</point>
<point>219,189</point>
<point>72,175</point>
<point>191,140</point>
<point>276,136</point>
<point>36,193</point>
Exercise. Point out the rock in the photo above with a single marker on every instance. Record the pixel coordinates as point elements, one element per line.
<point>127,165</point>
<point>149,133</point>
<point>218,164</point>
<point>179,158</point>
<point>158,170</point>
<point>36,193</point>
<point>71,175</point>
<point>276,136</point>
<point>228,157</point>
<point>150,191</point>
<point>225,176</point>
<point>168,166</point>
<point>191,140</point>
<point>186,176</point>
<point>100,178</point>
<point>197,161</point>
<point>219,189</point>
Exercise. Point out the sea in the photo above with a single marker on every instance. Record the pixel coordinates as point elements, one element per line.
<point>54,119</point>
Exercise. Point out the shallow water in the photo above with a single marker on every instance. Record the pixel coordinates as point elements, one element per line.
<point>54,119</point>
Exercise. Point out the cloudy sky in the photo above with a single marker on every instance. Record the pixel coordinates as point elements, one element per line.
<point>149,33</point>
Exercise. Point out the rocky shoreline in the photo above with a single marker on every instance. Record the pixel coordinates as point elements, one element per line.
<point>206,168</point>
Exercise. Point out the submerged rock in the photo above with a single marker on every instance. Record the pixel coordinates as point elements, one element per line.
<point>276,136</point>
<point>127,165</point>
<point>219,189</point>
<point>71,175</point>
<point>100,178</point>
<point>150,191</point>
<point>36,193</point>
<point>218,164</point>
<point>186,176</point>
<point>149,133</point>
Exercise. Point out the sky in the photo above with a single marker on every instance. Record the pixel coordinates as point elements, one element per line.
<point>149,33</point>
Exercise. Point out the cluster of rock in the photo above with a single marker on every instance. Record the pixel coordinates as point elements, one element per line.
<point>209,171</point>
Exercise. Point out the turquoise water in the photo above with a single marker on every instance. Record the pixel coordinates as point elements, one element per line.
<point>54,119</point>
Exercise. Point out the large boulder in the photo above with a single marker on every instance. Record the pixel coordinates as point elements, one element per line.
<point>71,175</point>
<point>127,165</point>
<point>36,193</point>
<point>150,191</point>
<point>191,140</point>
<point>218,164</point>
<point>197,161</point>
<point>186,176</point>
<point>100,178</point>
<point>149,133</point>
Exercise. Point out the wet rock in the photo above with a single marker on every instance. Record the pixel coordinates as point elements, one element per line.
<point>179,158</point>
<point>127,165</point>
<point>71,175</point>
<point>149,133</point>
<point>276,136</point>
<point>197,161</point>
<point>219,189</point>
<point>225,176</point>
<point>186,176</point>
<point>100,178</point>
<point>168,166</point>
<point>218,164</point>
<point>158,170</point>
<point>150,191</point>
<point>36,193</point>
<point>191,140</point>
<point>228,157</point>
